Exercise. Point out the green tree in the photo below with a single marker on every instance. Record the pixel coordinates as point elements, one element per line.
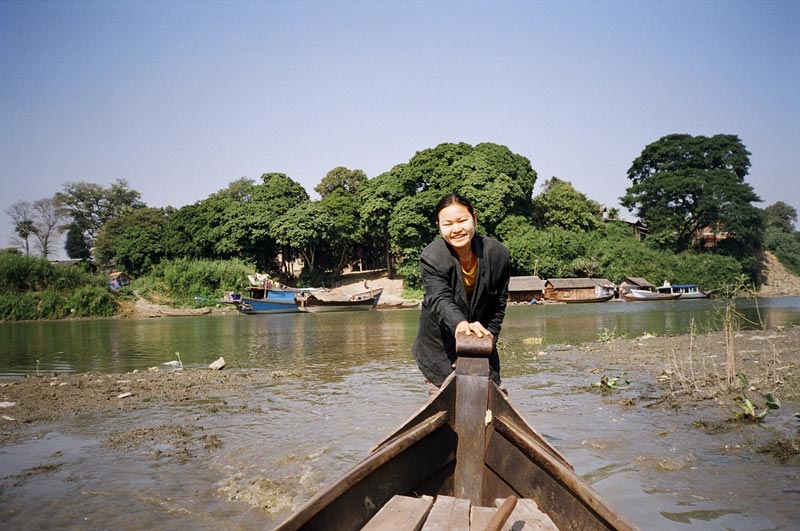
<point>782,216</point>
<point>339,192</point>
<point>683,183</point>
<point>90,206</point>
<point>377,199</point>
<point>76,244</point>
<point>188,233</point>
<point>134,239</point>
<point>561,205</point>
<point>235,222</point>
<point>499,183</point>
<point>305,229</point>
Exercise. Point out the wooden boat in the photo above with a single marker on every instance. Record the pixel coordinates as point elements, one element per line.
<point>604,298</point>
<point>322,301</point>
<point>268,296</point>
<point>469,448</point>
<point>266,300</point>
<point>686,291</point>
<point>183,312</point>
<point>647,295</point>
<point>258,306</point>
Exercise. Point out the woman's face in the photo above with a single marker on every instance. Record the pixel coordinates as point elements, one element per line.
<point>457,225</point>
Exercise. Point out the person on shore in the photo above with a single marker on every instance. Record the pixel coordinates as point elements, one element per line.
<point>465,281</point>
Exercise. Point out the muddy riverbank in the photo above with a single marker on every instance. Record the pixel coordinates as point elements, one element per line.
<point>191,445</point>
<point>687,371</point>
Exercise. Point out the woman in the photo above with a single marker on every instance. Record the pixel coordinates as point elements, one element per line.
<point>465,278</point>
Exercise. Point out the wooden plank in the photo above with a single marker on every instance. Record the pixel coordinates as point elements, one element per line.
<point>470,426</point>
<point>448,513</point>
<point>479,517</point>
<point>401,513</point>
<point>526,516</point>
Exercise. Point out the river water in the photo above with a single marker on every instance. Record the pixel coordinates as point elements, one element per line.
<point>349,380</point>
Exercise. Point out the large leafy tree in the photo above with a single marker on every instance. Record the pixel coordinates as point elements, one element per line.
<point>377,200</point>
<point>306,228</point>
<point>339,192</point>
<point>499,182</point>
<point>682,184</point>
<point>134,239</point>
<point>236,222</point>
<point>561,205</point>
<point>90,206</point>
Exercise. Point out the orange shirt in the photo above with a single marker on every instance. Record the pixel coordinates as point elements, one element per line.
<point>470,277</point>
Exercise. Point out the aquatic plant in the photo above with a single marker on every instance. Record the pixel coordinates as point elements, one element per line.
<point>604,335</point>
<point>607,383</point>
<point>748,409</point>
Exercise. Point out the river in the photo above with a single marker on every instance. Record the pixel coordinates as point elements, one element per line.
<point>348,379</point>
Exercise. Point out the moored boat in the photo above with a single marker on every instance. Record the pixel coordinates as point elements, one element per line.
<point>465,452</point>
<point>686,291</point>
<point>323,301</point>
<point>272,301</point>
<point>259,306</point>
<point>604,298</point>
<point>183,312</point>
<point>647,295</point>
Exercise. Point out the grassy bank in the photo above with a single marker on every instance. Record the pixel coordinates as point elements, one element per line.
<point>33,288</point>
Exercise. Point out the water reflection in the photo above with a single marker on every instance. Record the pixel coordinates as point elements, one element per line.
<point>301,341</point>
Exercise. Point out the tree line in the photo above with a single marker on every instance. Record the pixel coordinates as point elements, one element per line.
<point>680,185</point>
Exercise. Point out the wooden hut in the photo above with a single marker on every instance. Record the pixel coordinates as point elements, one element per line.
<point>579,290</point>
<point>525,289</point>
<point>630,283</point>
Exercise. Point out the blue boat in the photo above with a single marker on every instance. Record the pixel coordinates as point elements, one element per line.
<point>276,301</point>
<point>267,300</point>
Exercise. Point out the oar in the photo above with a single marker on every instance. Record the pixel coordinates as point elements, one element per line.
<point>501,515</point>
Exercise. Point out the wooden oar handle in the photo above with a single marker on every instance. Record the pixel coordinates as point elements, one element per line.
<point>472,346</point>
<point>500,517</point>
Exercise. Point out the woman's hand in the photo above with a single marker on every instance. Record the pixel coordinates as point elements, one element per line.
<point>472,328</point>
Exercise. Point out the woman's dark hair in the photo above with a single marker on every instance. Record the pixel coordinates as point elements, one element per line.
<point>452,199</point>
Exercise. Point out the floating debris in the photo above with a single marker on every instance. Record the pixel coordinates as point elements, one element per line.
<point>124,395</point>
<point>8,404</point>
<point>217,365</point>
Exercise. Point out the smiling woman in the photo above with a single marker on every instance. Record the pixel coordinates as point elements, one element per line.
<point>465,279</point>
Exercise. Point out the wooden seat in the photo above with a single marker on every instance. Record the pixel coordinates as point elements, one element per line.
<point>404,513</point>
<point>401,513</point>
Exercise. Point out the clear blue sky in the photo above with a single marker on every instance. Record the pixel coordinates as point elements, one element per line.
<point>182,97</point>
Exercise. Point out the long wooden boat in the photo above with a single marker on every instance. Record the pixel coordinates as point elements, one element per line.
<point>464,453</point>
<point>604,298</point>
<point>183,312</point>
<point>321,301</point>
<point>647,295</point>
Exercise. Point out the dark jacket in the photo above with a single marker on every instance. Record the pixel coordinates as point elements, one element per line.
<point>445,304</point>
